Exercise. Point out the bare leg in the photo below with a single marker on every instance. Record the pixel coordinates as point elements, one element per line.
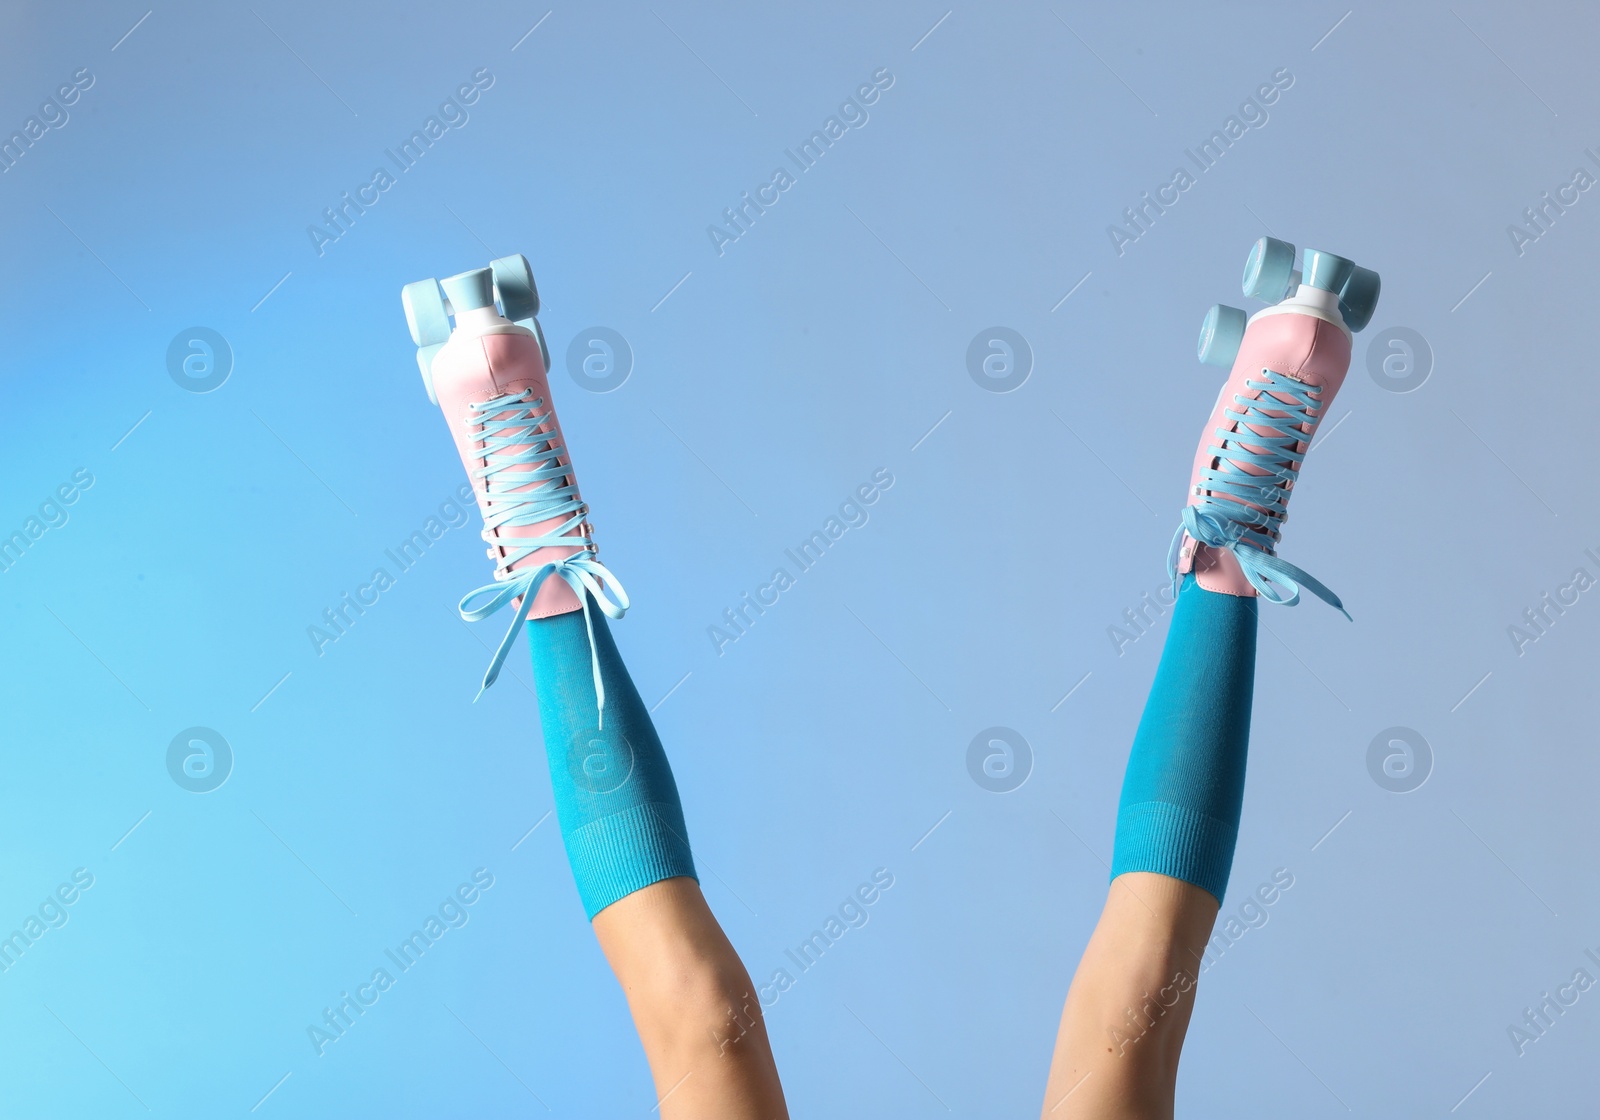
<point>1116,1055</point>
<point>693,1004</point>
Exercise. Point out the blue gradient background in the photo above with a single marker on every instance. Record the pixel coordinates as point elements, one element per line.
<point>822,346</point>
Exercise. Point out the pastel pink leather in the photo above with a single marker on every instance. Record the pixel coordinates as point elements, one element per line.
<point>1304,347</point>
<point>479,369</point>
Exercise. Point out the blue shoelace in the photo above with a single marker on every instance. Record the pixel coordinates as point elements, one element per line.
<point>524,488</point>
<point>1219,516</point>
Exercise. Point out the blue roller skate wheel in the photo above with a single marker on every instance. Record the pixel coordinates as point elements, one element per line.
<point>1220,336</point>
<point>1326,272</point>
<point>425,313</point>
<point>1267,270</point>
<point>544,351</point>
<point>513,283</point>
<point>1359,300</point>
<point>429,324</point>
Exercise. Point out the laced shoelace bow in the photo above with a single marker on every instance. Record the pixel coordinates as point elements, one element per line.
<point>525,487</point>
<point>1242,512</point>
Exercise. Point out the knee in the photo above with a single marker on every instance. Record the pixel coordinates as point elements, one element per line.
<point>702,1006</point>
<point>1142,1013</point>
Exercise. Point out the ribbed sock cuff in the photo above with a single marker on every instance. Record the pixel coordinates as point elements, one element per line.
<point>1171,840</point>
<point>614,856</point>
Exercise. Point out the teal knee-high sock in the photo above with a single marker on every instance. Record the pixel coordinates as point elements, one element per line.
<point>1181,795</point>
<point>620,816</point>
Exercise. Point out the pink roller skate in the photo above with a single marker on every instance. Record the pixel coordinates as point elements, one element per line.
<point>1287,364</point>
<point>489,376</point>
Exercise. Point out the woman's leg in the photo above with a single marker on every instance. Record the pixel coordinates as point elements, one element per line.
<point>621,820</point>
<point>1129,1004</point>
<point>1128,1008</point>
<point>692,1000</point>
<point>693,1004</point>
